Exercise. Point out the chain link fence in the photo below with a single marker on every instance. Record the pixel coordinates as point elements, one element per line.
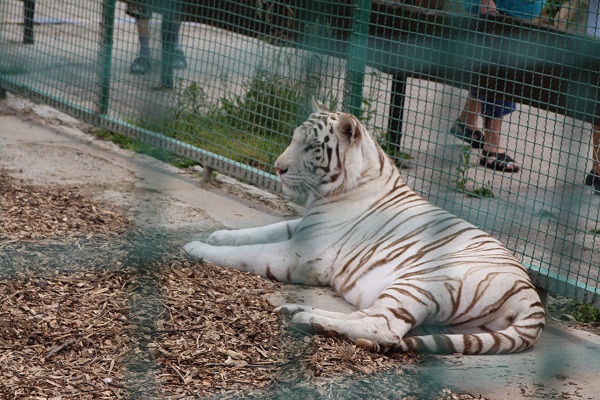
<point>225,83</point>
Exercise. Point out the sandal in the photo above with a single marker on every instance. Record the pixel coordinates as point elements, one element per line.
<point>140,66</point>
<point>592,179</point>
<point>498,162</point>
<point>474,137</point>
<point>179,61</point>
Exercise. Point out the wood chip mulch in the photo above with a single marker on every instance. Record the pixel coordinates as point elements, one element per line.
<point>90,308</point>
<point>29,212</point>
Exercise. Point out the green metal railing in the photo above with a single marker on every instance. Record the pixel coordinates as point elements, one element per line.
<point>403,69</point>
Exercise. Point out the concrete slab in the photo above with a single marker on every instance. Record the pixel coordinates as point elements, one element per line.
<point>157,194</point>
<point>548,193</point>
<point>565,364</point>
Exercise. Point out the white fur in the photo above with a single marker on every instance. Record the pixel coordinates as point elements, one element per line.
<point>404,262</point>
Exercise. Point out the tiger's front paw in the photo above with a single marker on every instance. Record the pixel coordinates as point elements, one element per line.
<point>222,238</point>
<point>198,249</point>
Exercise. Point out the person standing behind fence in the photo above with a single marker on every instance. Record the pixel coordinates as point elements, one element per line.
<point>141,11</point>
<point>582,17</point>
<point>593,177</point>
<point>491,109</point>
<point>593,30</point>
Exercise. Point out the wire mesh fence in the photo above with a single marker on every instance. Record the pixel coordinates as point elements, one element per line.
<point>226,82</point>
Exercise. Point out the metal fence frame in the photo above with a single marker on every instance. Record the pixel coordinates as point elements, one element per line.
<point>354,49</point>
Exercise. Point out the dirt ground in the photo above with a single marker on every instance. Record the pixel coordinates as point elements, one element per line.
<point>97,302</point>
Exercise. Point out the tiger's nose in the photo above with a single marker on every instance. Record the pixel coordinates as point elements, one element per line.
<point>280,168</point>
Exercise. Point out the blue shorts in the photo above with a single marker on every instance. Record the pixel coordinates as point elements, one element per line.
<point>493,108</point>
<point>524,9</point>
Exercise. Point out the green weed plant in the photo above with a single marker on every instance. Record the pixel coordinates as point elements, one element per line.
<point>462,177</point>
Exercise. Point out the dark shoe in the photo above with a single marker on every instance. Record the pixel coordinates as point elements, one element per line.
<point>461,131</point>
<point>140,66</point>
<point>179,61</point>
<point>498,162</point>
<point>592,179</point>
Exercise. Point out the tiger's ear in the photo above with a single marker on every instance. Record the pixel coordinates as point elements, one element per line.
<point>318,107</point>
<point>349,127</point>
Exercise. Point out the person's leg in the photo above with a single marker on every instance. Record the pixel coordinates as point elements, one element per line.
<point>596,148</point>
<point>141,65</point>
<point>492,155</point>
<point>593,177</point>
<point>470,112</point>
<point>143,29</point>
<point>179,61</point>
<point>492,129</point>
<point>465,126</point>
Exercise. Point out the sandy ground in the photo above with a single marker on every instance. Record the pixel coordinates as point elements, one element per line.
<point>72,289</point>
<point>41,146</point>
<point>544,212</point>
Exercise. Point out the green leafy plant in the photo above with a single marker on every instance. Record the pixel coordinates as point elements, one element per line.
<point>393,150</point>
<point>192,99</point>
<point>128,143</point>
<point>462,169</point>
<point>584,313</point>
<point>462,177</point>
<point>368,107</point>
<point>252,128</point>
<point>269,105</point>
<point>483,191</point>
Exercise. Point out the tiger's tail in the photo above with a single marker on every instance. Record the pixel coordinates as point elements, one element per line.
<point>517,337</point>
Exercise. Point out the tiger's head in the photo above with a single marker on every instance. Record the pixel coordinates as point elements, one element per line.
<point>331,153</point>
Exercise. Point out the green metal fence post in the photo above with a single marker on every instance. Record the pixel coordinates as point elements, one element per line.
<point>356,60</point>
<point>168,50</point>
<point>28,21</point>
<point>105,56</point>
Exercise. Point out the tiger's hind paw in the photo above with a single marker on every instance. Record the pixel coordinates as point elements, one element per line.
<point>314,328</point>
<point>367,345</point>
<point>289,310</point>
<point>375,347</point>
<point>302,319</point>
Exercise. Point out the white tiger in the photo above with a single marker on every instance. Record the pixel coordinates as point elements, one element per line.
<point>423,279</point>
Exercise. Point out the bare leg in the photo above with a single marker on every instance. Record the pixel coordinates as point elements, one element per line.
<point>143,29</point>
<point>470,113</point>
<point>593,177</point>
<point>596,148</point>
<point>142,64</point>
<point>491,131</point>
<point>466,125</point>
<point>492,155</point>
